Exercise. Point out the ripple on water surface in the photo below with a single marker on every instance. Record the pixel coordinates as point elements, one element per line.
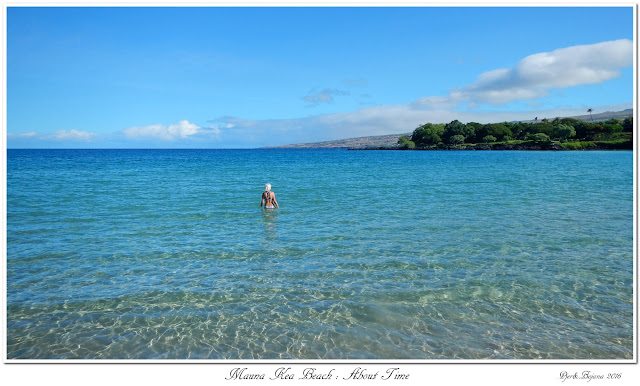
<point>164,254</point>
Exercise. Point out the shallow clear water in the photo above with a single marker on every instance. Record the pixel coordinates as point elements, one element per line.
<point>398,255</point>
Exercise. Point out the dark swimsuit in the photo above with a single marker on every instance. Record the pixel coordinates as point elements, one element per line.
<point>268,199</point>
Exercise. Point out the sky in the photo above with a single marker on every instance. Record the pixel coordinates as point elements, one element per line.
<point>248,77</point>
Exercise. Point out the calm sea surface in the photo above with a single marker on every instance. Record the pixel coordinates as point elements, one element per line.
<point>157,254</point>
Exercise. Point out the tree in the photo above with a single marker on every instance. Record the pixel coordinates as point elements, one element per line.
<point>475,127</point>
<point>497,130</point>
<point>518,129</point>
<point>457,139</point>
<point>590,111</point>
<point>540,137</point>
<point>627,124</point>
<point>563,131</point>
<point>570,121</point>
<point>609,129</point>
<point>595,131</point>
<point>489,138</point>
<point>457,128</point>
<point>427,134</point>
<point>522,130</point>
<point>583,129</point>
<point>544,127</point>
<point>405,143</point>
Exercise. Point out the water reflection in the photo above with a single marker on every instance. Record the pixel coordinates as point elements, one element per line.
<point>269,219</point>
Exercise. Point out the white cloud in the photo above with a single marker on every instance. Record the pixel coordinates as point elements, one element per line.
<point>360,82</point>
<point>24,135</point>
<point>72,135</point>
<point>180,130</point>
<point>577,65</point>
<point>536,75</point>
<point>324,96</point>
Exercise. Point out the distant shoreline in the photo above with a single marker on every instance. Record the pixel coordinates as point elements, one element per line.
<point>530,145</point>
<point>390,141</point>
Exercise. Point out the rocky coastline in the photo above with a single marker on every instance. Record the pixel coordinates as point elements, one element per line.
<point>535,146</point>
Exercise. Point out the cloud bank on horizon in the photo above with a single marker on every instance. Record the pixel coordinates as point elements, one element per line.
<point>532,78</point>
<point>536,75</point>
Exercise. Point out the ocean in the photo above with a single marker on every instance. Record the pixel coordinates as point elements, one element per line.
<point>166,254</point>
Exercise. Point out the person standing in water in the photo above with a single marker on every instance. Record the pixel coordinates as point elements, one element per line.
<point>269,198</point>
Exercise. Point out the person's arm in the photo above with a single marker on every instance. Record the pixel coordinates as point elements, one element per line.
<point>262,199</point>
<point>275,202</point>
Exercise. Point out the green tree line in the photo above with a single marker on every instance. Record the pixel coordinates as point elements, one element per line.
<point>559,129</point>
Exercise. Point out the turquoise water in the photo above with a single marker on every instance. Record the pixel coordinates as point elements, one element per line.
<point>153,254</point>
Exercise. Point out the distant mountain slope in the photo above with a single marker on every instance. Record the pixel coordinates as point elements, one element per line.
<point>392,139</point>
<point>598,117</point>
<point>374,141</point>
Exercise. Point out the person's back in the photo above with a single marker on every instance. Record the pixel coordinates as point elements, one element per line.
<point>269,198</point>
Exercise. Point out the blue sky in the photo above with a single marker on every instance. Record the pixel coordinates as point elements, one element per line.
<point>250,77</point>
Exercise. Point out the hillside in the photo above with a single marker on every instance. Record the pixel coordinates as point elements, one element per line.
<point>392,139</point>
<point>599,117</point>
<point>373,141</point>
